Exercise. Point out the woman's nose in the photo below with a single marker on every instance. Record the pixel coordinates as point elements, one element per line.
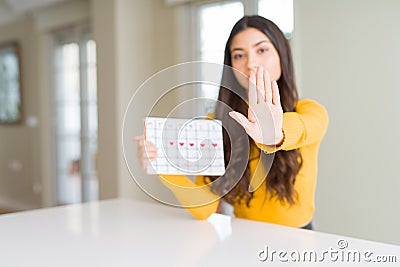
<point>251,64</point>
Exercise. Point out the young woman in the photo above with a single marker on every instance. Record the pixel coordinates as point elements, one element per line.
<point>262,100</point>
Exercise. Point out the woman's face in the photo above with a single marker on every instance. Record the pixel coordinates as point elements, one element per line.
<point>251,48</point>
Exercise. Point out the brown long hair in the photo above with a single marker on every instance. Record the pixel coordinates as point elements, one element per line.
<point>286,164</point>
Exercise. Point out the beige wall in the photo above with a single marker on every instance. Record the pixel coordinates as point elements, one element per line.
<point>347,53</point>
<point>104,21</point>
<point>135,39</point>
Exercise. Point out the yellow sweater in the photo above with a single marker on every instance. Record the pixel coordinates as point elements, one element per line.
<point>303,130</point>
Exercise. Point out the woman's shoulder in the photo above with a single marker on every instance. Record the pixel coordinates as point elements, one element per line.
<point>308,101</point>
<point>307,104</point>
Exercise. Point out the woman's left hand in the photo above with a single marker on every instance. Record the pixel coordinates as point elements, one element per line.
<point>265,114</point>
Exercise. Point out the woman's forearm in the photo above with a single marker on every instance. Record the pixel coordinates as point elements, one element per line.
<point>197,199</point>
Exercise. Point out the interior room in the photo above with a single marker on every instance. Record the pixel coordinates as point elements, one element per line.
<point>80,62</point>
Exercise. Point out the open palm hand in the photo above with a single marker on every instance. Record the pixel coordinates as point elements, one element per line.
<point>265,115</point>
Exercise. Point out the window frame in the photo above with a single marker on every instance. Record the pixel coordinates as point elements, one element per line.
<point>74,34</point>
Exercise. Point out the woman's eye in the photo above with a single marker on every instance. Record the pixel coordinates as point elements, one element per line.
<point>238,56</point>
<point>262,50</point>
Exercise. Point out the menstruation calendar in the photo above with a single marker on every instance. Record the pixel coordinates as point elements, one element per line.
<point>188,147</point>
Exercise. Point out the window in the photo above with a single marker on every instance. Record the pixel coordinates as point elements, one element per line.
<point>212,32</point>
<point>212,36</point>
<point>75,109</point>
<point>10,84</point>
<point>280,12</point>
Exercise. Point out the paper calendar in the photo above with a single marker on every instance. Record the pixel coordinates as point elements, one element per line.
<point>188,147</point>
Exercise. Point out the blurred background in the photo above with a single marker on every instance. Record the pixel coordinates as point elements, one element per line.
<point>69,67</point>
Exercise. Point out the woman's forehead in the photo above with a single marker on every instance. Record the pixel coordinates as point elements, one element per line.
<point>249,37</point>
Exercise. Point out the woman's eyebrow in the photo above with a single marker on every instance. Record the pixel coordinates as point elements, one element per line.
<point>260,42</point>
<point>237,48</point>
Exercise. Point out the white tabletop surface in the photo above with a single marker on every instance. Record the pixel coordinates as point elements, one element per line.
<point>137,233</point>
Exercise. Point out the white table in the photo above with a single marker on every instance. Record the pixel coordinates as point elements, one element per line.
<point>136,233</point>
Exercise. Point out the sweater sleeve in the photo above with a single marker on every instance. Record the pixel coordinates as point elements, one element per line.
<point>304,127</point>
<point>195,197</point>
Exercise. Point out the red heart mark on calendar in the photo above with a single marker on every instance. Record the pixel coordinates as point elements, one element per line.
<point>202,144</point>
<point>171,143</point>
<point>215,144</point>
<point>181,144</point>
<point>191,144</point>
